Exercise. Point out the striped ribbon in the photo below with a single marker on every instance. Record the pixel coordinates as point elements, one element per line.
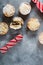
<point>10,44</point>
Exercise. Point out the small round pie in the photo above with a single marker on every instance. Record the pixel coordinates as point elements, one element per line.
<point>25,8</point>
<point>17,23</point>
<point>8,10</point>
<point>33,24</point>
<point>3,28</point>
<point>41,38</point>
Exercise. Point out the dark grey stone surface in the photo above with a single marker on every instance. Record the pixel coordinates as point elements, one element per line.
<point>28,51</point>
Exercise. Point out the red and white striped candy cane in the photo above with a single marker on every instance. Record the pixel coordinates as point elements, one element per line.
<point>35,1</point>
<point>18,37</point>
<point>3,49</point>
<point>39,6</point>
<point>14,41</point>
<point>11,43</point>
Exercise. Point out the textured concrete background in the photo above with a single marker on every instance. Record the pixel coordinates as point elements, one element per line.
<point>28,51</point>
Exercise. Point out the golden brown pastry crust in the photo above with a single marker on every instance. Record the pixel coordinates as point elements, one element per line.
<point>8,10</point>
<point>41,38</point>
<point>25,8</point>
<point>3,28</point>
<point>17,23</point>
<point>33,24</point>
